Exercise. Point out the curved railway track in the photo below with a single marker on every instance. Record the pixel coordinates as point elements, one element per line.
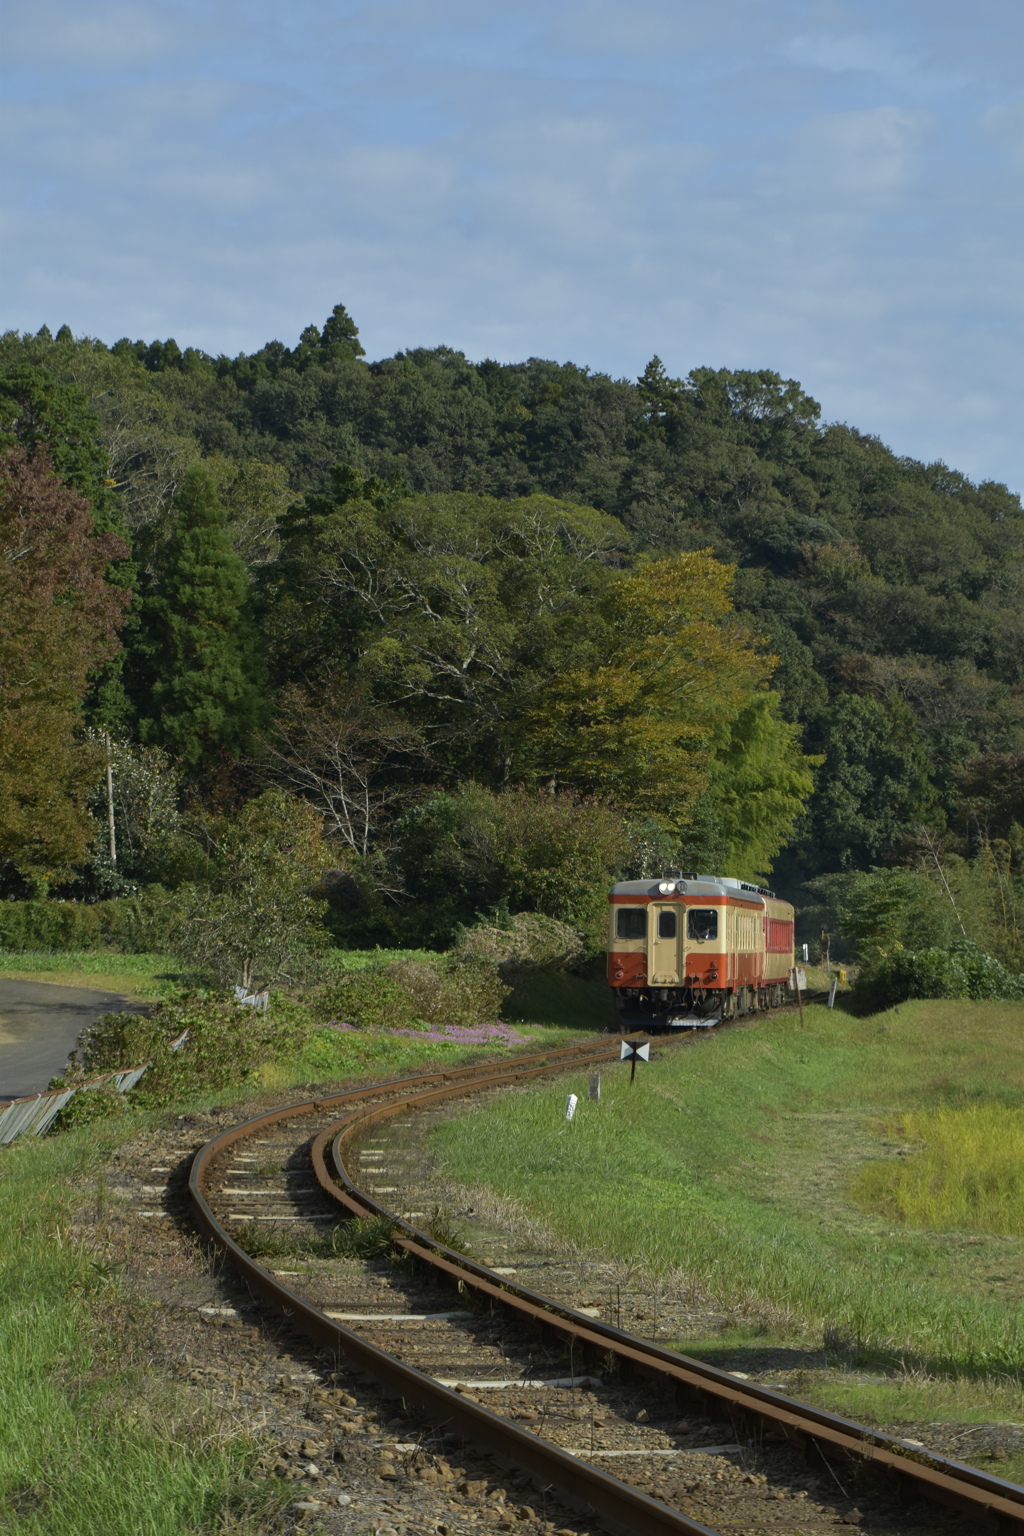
<point>501,1328</point>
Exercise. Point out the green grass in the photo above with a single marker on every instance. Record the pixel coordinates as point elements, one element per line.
<point>137,976</point>
<point>91,1442</point>
<point>361,1054</point>
<point>731,1164</point>
<point>158,976</point>
<point>362,1238</point>
<point>366,959</point>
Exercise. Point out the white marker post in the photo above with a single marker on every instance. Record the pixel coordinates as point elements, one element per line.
<point>634,1052</point>
<point>570,1106</point>
<point>798,981</point>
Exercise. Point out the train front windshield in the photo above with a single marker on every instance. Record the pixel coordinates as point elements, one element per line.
<point>631,923</point>
<point>702,924</point>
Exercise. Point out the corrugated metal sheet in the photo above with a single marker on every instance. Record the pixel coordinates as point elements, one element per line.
<point>258,1000</point>
<point>125,1080</point>
<point>38,1112</point>
<point>33,1114</point>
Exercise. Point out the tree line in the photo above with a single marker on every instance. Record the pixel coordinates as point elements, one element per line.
<point>506,628</point>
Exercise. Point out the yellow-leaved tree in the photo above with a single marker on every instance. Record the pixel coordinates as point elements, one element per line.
<point>674,709</point>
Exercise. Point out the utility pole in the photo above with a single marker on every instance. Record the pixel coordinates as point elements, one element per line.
<point>110,802</point>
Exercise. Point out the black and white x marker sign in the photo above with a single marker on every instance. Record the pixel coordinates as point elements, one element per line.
<point>634,1051</point>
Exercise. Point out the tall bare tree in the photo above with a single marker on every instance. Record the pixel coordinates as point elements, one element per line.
<point>356,763</point>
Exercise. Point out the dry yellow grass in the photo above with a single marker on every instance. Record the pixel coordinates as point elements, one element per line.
<point>966,1174</point>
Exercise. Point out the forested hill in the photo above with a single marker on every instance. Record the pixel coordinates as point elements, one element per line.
<point>891,591</point>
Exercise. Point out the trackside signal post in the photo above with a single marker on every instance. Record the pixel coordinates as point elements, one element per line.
<point>634,1051</point>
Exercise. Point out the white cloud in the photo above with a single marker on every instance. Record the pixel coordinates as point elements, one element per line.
<point>840,51</point>
<point>856,158</point>
<point>109,35</point>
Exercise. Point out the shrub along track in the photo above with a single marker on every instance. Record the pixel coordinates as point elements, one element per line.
<point>495,1331</point>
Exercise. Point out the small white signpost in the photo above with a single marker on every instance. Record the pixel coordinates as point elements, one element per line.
<point>798,984</point>
<point>570,1106</point>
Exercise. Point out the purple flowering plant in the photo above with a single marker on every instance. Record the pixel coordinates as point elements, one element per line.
<point>456,1034</point>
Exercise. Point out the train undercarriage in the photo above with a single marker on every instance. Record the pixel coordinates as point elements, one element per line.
<point>672,1008</point>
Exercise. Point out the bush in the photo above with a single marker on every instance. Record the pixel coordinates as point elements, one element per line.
<point>226,1044</point>
<point>137,925</point>
<point>134,924</point>
<point>102,1103</point>
<point>27,925</point>
<point>963,970</point>
<point>528,941</point>
<point>411,994</point>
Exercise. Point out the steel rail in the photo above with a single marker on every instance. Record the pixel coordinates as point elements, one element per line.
<point>618,1506</point>
<point>621,1509</point>
<point>944,1481</point>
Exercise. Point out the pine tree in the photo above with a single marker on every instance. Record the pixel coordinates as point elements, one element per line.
<point>201,649</point>
<point>340,329</point>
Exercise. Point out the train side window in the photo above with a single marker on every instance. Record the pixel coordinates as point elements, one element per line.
<point>702,923</point>
<point>631,923</point>
<point>666,925</point>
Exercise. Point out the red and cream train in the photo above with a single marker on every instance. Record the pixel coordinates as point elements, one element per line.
<point>689,950</point>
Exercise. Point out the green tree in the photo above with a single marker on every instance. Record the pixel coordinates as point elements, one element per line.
<point>250,922</point>
<point>874,785</point>
<point>146,792</point>
<point>200,657</point>
<point>454,609</point>
<point>867,571</point>
<point>465,854</point>
<point>761,783</point>
<point>58,624</point>
<point>255,498</point>
<point>882,909</point>
<point>41,415</point>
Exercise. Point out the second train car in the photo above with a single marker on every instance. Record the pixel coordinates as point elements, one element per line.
<point>688,950</point>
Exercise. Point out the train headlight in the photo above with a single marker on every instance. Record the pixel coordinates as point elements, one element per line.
<point>666,887</point>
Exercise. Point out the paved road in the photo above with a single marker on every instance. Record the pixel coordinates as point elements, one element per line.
<point>39,1026</point>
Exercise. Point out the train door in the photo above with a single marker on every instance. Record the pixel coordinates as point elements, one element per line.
<point>664,944</point>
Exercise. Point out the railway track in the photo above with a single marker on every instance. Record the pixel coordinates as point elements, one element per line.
<point>576,1403</point>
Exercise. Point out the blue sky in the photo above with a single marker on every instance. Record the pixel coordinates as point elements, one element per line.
<point>831,190</point>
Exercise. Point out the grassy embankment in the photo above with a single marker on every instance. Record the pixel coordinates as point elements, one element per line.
<point>145,977</point>
<point>94,1440</point>
<point>549,1007</point>
<point>854,1182</point>
<point>149,977</point>
<point>91,1440</point>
